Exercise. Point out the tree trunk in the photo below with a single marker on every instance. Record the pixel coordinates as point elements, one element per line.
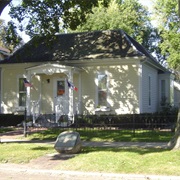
<point>175,141</point>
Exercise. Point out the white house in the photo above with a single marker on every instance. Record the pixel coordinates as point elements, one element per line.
<point>114,74</point>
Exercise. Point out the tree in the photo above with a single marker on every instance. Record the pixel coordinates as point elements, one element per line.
<point>2,32</point>
<point>128,15</point>
<point>48,17</point>
<point>175,141</point>
<point>169,25</point>
<point>9,38</point>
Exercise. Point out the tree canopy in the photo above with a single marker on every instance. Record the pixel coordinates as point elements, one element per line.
<point>128,15</point>
<point>166,12</point>
<point>47,17</point>
<point>169,26</point>
<point>9,37</point>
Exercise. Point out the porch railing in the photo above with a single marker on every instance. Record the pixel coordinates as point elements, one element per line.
<point>35,110</point>
<point>61,108</point>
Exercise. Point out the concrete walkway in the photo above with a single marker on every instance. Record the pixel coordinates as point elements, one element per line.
<point>96,144</point>
<point>127,144</point>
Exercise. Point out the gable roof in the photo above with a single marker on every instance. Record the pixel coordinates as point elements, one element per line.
<point>80,46</point>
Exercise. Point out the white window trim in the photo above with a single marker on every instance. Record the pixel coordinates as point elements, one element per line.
<point>102,108</point>
<point>19,108</point>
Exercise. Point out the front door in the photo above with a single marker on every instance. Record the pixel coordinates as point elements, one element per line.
<point>61,98</point>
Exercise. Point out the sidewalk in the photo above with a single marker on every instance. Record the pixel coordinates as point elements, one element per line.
<point>96,144</point>
<point>17,136</point>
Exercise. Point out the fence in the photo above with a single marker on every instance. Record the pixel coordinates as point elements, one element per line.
<point>130,121</point>
<point>135,127</point>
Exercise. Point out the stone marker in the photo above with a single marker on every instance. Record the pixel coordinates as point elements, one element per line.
<point>68,142</point>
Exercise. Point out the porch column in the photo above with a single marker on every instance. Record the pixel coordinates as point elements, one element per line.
<point>70,114</point>
<point>28,98</point>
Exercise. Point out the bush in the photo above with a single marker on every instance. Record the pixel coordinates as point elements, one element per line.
<point>10,120</point>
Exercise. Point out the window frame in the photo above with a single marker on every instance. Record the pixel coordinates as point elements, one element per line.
<point>20,92</point>
<point>98,106</point>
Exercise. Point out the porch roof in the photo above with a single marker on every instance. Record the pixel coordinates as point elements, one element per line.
<point>79,46</point>
<point>50,69</point>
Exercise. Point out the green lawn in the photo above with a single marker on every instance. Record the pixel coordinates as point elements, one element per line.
<point>118,160</point>
<point>109,135</point>
<point>125,160</point>
<point>23,152</point>
<point>3,130</point>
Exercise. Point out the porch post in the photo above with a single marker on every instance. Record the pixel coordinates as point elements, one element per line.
<point>28,99</point>
<point>70,114</point>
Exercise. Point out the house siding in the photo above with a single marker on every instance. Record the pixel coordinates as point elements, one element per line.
<point>9,94</point>
<point>149,72</point>
<point>123,88</point>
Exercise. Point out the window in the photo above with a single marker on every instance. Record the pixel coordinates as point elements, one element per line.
<point>149,90</point>
<point>102,90</point>
<point>22,92</point>
<point>60,88</point>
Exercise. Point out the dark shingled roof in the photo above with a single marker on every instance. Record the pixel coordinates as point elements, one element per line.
<point>79,46</point>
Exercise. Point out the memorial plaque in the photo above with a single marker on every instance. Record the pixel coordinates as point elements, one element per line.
<point>68,142</point>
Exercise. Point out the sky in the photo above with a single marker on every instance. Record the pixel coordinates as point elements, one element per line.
<point>7,18</point>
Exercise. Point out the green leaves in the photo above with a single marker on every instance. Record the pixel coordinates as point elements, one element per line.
<point>46,17</point>
<point>128,15</point>
<point>169,24</point>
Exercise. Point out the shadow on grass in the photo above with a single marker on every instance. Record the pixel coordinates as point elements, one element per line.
<point>108,135</point>
<point>62,156</point>
<point>40,148</point>
<point>137,150</point>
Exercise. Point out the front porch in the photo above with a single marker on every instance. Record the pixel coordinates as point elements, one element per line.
<point>50,94</point>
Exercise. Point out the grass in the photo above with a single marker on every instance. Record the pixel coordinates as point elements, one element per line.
<point>101,159</point>
<point>23,152</point>
<point>125,160</point>
<point>109,135</point>
<point>3,130</point>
